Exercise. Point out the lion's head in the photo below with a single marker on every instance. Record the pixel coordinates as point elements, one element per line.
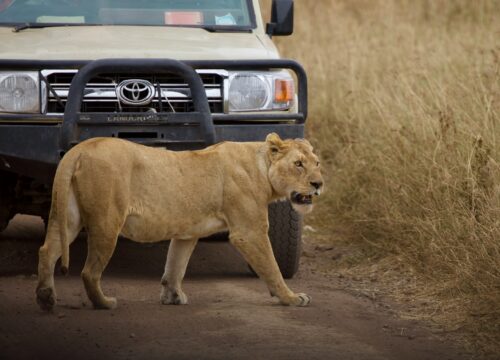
<point>294,171</point>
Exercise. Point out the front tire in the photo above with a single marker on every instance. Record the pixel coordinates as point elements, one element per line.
<point>285,233</point>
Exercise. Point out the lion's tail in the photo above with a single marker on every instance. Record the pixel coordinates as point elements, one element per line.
<point>60,198</point>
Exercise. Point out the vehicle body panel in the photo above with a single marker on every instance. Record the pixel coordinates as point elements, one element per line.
<point>97,42</point>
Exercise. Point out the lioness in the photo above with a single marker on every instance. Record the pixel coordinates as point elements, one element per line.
<point>112,187</point>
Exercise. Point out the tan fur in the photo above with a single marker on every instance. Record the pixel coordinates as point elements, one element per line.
<point>112,187</point>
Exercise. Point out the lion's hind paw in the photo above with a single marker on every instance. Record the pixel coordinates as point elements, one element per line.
<point>45,298</point>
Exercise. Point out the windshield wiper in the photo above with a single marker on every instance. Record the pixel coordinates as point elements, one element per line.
<point>222,28</point>
<point>20,27</point>
<point>210,28</point>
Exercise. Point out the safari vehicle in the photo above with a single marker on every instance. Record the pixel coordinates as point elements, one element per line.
<point>178,74</point>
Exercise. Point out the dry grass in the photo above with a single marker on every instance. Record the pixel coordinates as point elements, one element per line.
<point>405,107</point>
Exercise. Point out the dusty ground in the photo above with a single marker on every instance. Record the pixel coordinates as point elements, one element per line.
<point>230,315</point>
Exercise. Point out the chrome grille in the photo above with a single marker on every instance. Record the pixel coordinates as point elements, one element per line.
<point>100,92</point>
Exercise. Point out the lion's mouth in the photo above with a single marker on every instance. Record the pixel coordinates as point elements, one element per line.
<point>301,199</point>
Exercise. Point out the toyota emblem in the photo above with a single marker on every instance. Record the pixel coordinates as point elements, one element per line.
<point>135,92</point>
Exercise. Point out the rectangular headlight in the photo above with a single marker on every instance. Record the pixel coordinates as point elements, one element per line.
<point>260,91</point>
<point>19,92</point>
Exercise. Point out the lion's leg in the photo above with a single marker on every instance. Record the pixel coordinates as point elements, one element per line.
<point>257,251</point>
<point>51,251</point>
<point>248,227</point>
<point>100,250</point>
<point>178,256</point>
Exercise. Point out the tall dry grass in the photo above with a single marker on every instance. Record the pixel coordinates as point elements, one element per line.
<point>405,108</point>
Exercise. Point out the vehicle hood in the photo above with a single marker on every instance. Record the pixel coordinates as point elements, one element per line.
<point>95,42</point>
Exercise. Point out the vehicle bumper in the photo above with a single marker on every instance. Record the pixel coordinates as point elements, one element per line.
<point>34,150</point>
<point>33,145</point>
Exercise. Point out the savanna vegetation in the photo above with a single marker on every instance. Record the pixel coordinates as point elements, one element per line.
<point>405,110</point>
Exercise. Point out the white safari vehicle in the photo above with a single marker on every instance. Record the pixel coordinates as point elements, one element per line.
<point>179,74</point>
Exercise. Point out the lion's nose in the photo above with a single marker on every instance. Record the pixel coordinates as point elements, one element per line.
<point>317,184</point>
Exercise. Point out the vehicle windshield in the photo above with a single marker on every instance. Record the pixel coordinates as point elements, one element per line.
<point>233,14</point>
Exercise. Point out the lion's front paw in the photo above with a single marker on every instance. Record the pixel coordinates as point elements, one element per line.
<point>300,299</point>
<point>172,297</point>
<point>108,303</point>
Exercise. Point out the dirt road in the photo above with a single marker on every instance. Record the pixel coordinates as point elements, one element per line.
<point>230,315</point>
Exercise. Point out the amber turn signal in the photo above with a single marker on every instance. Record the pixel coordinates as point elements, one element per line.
<point>284,91</point>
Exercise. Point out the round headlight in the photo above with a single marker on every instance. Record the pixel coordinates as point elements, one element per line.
<point>248,92</point>
<point>19,93</point>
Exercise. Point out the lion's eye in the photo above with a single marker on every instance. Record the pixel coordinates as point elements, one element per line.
<point>298,163</point>
<point>317,164</point>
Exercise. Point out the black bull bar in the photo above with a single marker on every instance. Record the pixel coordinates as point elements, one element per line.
<point>30,148</point>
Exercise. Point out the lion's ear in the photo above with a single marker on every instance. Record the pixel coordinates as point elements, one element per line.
<point>306,142</point>
<point>275,143</point>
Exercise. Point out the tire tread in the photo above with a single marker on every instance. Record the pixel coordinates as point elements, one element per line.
<point>285,233</point>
